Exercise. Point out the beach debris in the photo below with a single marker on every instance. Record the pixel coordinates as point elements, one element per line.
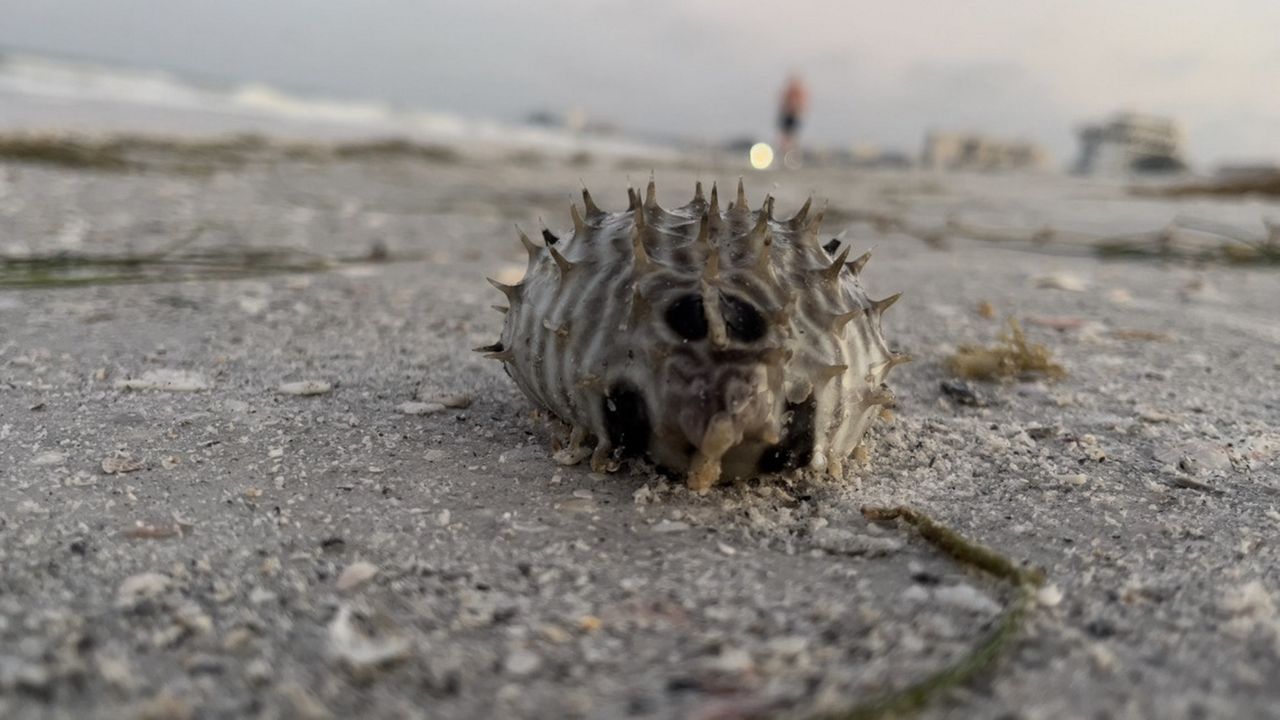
<point>454,401</point>
<point>1026,581</point>
<point>19,674</point>
<point>1201,242</point>
<point>377,252</point>
<point>1259,449</point>
<point>839,541</point>
<point>1251,611</point>
<point>355,575</point>
<point>1049,596</point>
<point>80,478</point>
<point>521,663</point>
<point>1056,322</point>
<point>670,526</point>
<point>164,706</point>
<point>726,305</point>
<point>1141,335</point>
<point>136,589</point>
<point>306,387</point>
<point>360,652</point>
<point>1119,296</point>
<point>145,531</point>
<point>419,408</point>
<point>1198,289</point>
<point>57,150</point>
<point>1195,457</point>
<point>1190,483</point>
<point>119,463</point>
<point>1012,357</point>
<point>134,152</point>
<point>258,672</point>
<point>966,597</point>
<point>115,670</point>
<point>962,393</point>
<point>1146,413</point>
<point>49,457</point>
<point>166,379</point>
<point>1249,600</point>
<point>76,268</point>
<point>1261,183</point>
<point>986,310</point>
<point>728,661</point>
<point>253,305</point>
<point>303,705</point>
<point>1061,280</point>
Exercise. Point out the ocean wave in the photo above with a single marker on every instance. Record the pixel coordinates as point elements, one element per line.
<point>80,83</point>
<point>28,74</point>
<point>258,97</point>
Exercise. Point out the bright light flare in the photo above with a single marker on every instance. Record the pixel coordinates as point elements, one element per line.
<point>761,156</point>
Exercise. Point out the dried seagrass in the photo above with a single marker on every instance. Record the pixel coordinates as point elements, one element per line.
<point>716,343</point>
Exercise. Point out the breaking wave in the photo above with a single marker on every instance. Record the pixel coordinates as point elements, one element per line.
<point>44,92</point>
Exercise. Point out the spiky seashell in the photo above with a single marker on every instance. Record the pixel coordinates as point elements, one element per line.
<point>716,343</point>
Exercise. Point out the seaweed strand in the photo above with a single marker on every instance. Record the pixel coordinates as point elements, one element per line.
<point>918,694</point>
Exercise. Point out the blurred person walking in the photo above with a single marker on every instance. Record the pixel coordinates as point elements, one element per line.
<point>795,101</point>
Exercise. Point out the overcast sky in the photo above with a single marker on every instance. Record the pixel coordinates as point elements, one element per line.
<point>880,73</point>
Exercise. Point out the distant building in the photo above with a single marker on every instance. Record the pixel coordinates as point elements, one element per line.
<point>1241,171</point>
<point>971,151</point>
<point>867,157</point>
<point>1129,142</point>
<point>872,157</point>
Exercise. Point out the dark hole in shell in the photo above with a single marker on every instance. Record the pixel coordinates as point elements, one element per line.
<point>743,321</point>
<point>796,448</point>
<point>687,318</point>
<point>831,247</point>
<point>626,420</point>
<point>549,237</point>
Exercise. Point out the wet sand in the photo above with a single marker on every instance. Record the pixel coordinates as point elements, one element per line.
<point>297,493</point>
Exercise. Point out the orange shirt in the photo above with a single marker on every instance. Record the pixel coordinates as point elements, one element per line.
<point>795,98</point>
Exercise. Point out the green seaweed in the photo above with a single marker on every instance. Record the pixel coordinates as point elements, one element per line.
<point>917,695</point>
<point>964,551</point>
<point>75,270</point>
<point>173,264</point>
<point>1266,252</point>
<point>139,153</point>
<point>397,148</point>
<point>1256,184</point>
<point>64,152</point>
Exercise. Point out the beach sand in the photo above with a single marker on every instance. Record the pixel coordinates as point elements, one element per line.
<point>299,494</point>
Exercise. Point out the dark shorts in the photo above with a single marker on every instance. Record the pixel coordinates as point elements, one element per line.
<point>790,123</point>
